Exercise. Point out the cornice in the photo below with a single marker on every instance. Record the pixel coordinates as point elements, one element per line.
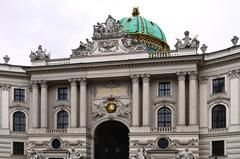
<point>221,61</point>
<point>114,64</point>
<point>16,75</point>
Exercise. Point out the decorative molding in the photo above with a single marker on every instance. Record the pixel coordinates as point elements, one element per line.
<point>5,87</point>
<point>164,101</point>
<point>135,78</point>
<point>145,77</point>
<point>218,98</point>
<point>43,84</point>
<point>193,75</point>
<point>181,76</point>
<point>73,82</point>
<point>234,74</point>
<point>203,80</point>
<point>82,81</point>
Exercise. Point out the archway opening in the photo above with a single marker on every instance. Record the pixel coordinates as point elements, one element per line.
<point>111,141</point>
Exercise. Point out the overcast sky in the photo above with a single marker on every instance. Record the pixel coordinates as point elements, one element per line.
<point>59,25</point>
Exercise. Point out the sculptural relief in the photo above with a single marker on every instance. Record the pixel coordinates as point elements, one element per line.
<point>186,154</point>
<point>73,154</point>
<point>141,154</point>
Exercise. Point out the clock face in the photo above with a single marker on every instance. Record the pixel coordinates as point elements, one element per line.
<point>111,107</point>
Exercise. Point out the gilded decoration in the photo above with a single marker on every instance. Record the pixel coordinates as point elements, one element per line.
<point>110,107</point>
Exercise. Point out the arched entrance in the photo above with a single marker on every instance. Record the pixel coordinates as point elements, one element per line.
<point>111,141</point>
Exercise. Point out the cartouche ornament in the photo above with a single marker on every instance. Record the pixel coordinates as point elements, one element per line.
<point>111,106</point>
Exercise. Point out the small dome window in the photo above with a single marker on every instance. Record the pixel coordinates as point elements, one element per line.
<point>129,19</point>
<point>152,23</point>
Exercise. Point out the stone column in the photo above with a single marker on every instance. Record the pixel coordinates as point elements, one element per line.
<point>35,105</point>
<point>145,99</point>
<point>193,87</point>
<point>44,104</point>
<point>203,97</point>
<point>135,100</point>
<point>83,102</point>
<point>181,99</point>
<point>73,101</point>
<point>234,98</point>
<point>5,105</point>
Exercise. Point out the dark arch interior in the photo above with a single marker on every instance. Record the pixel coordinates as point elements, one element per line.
<point>111,141</point>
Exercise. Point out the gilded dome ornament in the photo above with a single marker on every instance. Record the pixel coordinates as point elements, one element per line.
<point>111,106</point>
<point>135,11</point>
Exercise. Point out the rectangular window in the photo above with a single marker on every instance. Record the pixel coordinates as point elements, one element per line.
<point>218,85</point>
<point>18,148</point>
<point>19,95</point>
<point>62,93</point>
<point>217,148</point>
<point>164,89</point>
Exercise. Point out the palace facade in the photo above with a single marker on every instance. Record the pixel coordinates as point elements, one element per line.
<point>120,92</point>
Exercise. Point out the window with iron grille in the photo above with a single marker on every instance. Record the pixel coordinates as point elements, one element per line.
<point>18,148</point>
<point>19,95</point>
<point>62,93</point>
<point>217,148</point>
<point>62,120</point>
<point>164,89</point>
<point>219,116</point>
<point>218,85</point>
<point>19,121</point>
<point>164,117</point>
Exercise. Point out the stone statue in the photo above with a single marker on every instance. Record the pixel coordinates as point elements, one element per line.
<point>186,154</point>
<point>75,154</point>
<point>40,54</point>
<point>142,154</point>
<point>111,28</point>
<point>83,48</point>
<point>187,42</point>
<point>32,154</point>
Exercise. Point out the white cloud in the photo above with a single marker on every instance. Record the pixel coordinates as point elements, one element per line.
<point>59,25</point>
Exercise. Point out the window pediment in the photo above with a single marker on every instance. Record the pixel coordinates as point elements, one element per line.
<point>164,101</point>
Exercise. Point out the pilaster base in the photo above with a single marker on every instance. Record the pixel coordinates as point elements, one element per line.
<point>4,131</point>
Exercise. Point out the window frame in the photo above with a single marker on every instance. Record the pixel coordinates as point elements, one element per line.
<point>19,124</point>
<point>57,120</point>
<point>215,89</point>
<point>14,150</point>
<point>57,93</point>
<point>22,97</point>
<point>170,88</point>
<point>221,123</point>
<point>224,148</point>
<point>164,122</point>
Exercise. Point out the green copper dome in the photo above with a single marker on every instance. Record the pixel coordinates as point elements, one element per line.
<point>146,29</point>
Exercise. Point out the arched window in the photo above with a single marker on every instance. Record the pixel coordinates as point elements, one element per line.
<point>164,117</point>
<point>62,119</point>
<point>218,116</point>
<point>19,121</point>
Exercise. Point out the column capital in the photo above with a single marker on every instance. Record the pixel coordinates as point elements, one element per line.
<point>73,81</point>
<point>82,81</point>
<point>193,75</point>
<point>234,74</point>
<point>135,78</point>
<point>181,76</point>
<point>145,77</point>
<point>203,80</point>
<point>5,87</point>
<point>43,84</point>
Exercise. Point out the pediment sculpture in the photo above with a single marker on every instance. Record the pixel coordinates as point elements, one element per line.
<point>187,42</point>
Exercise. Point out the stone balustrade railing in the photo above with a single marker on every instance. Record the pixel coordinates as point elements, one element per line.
<point>163,129</point>
<point>162,54</point>
<point>218,131</point>
<point>58,61</point>
<point>56,131</point>
<point>20,133</point>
